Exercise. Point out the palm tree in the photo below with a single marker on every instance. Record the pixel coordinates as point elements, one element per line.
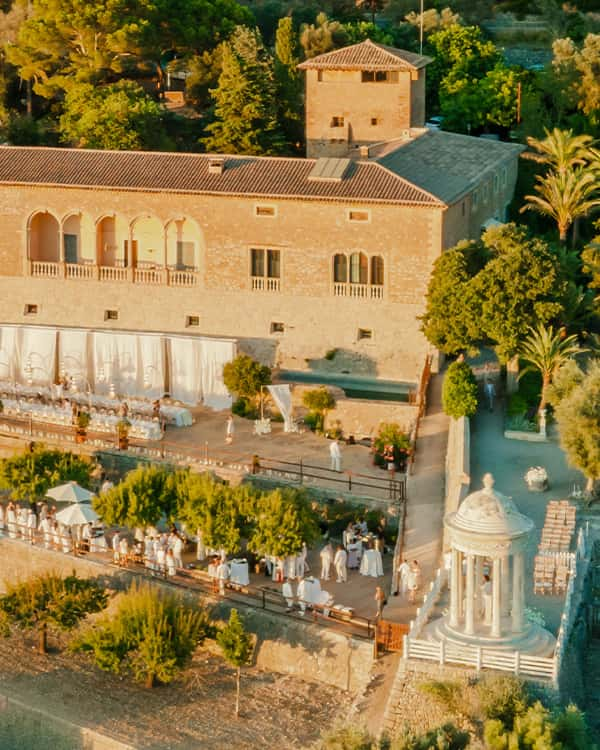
<point>565,196</point>
<point>562,150</point>
<point>546,351</point>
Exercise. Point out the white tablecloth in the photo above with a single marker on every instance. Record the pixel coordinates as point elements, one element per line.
<point>354,554</point>
<point>309,591</point>
<point>98,544</point>
<point>371,563</point>
<point>239,572</point>
<point>144,429</point>
<point>177,415</point>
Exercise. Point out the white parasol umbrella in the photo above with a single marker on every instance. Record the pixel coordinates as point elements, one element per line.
<point>77,515</point>
<point>70,492</point>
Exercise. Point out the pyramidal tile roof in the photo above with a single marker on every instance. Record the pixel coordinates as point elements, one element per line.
<point>366,55</point>
<point>257,176</point>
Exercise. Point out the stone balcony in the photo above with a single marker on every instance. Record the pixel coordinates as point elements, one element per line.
<point>358,291</point>
<point>116,274</point>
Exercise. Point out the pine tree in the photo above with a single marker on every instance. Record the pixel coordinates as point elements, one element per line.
<point>245,100</point>
<point>289,82</point>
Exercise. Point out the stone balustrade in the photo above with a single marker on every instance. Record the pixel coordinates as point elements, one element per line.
<point>91,271</point>
<point>358,291</point>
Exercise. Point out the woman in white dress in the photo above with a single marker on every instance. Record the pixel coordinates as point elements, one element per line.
<point>11,520</point>
<point>161,559</point>
<point>149,558</point>
<point>2,518</point>
<point>170,561</point>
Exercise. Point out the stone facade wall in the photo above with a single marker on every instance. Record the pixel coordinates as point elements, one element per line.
<point>307,233</point>
<point>458,465</point>
<point>341,93</point>
<point>284,645</point>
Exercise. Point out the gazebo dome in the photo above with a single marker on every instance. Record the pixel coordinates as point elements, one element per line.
<point>489,512</point>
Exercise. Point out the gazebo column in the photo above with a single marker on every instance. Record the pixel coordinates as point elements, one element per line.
<point>496,598</point>
<point>505,582</point>
<point>455,573</point>
<point>479,560</point>
<point>518,593</point>
<point>461,585</point>
<point>470,603</point>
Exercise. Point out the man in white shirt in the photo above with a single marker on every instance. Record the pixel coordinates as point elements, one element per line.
<point>115,547</point>
<point>403,573</point>
<point>336,455</point>
<point>339,562</point>
<point>178,551</point>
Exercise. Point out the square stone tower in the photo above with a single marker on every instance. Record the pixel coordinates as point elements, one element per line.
<point>363,94</point>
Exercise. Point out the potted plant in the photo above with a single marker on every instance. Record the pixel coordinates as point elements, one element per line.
<point>391,446</point>
<point>123,427</point>
<point>82,421</point>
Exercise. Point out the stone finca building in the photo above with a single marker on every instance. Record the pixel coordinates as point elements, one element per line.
<point>292,257</point>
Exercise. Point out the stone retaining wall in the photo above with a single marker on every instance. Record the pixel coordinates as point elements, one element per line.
<point>458,465</point>
<point>284,645</point>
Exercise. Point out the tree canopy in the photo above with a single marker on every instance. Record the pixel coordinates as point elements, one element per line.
<point>245,99</point>
<point>236,646</point>
<point>51,601</point>
<point>30,475</point>
<point>244,376</point>
<point>492,291</point>
<point>118,116</point>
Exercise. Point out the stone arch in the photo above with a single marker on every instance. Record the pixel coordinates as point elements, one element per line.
<point>359,268</point>
<point>43,237</point>
<point>185,242</point>
<point>340,268</point>
<point>377,270</point>
<point>71,234</point>
<point>107,248</point>
<point>147,242</point>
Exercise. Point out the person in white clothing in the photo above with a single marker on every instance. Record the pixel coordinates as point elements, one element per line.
<point>178,552</point>
<point>288,594</point>
<point>170,561</point>
<point>115,547</point>
<point>31,526</point>
<point>229,430</point>
<point>222,576</point>
<point>123,549</point>
<point>339,562</point>
<point>2,522</point>
<point>161,559</point>
<point>403,571</point>
<point>326,560</point>
<point>335,453</point>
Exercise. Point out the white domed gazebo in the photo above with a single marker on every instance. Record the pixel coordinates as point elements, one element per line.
<point>488,609</point>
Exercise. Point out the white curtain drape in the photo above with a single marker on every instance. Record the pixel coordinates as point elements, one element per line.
<point>8,353</point>
<point>151,366</point>
<point>37,355</point>
<point>282,395</point>
<point>73,356</point>
<point>214,354</point>
<point>116,363</point>
<point>184,369</point>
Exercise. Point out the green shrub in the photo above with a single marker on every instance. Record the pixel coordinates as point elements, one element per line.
<point>446,737</point>
<point>459,391</point>
<point>390,433</point>
<point>152,634</point>
<point>503,698</point>
<point>318,401</point>
<point>330,354</point>
<point>517,404</point>
<point>243,407</point>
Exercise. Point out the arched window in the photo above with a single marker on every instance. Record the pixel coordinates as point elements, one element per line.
<point>43,238</point>
<point>359,268</point>
<point>340,268</point>
<point>377,270</point>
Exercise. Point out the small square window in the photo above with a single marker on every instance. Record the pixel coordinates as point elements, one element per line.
<point>111,315</point>
<point>192,321</point>
<point>337,122</point>
<point>30,310</point>
<point>264,211</point>
<point>277,327</point>
<point>374,120</point>
<point>319,75</point>
<point>364,333</point>
<point>356,215</point>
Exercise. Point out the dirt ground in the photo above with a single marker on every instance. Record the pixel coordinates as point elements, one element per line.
<point>197,711</point>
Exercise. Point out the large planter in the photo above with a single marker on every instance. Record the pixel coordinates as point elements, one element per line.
<point>80,435</point>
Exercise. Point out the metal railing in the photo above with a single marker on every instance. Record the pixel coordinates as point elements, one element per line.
<point>353,482</point>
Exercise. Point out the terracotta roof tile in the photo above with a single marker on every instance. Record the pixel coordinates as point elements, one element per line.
<point>188,173</point>
<point>366,55</point>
